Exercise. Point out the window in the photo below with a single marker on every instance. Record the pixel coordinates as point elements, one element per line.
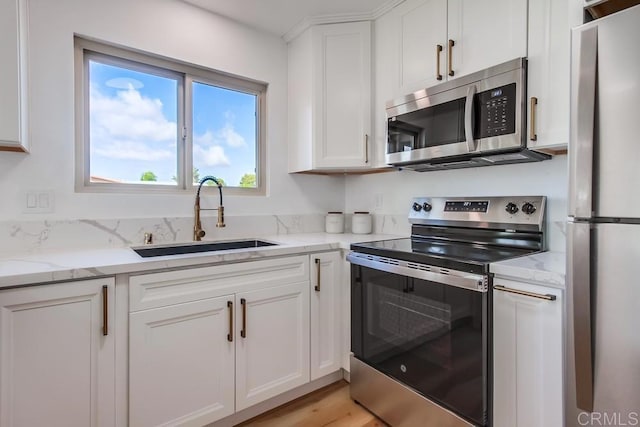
<point>149,123</point>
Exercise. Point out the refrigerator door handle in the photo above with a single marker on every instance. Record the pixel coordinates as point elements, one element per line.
<point>584,51</point>
<point>579,282</point>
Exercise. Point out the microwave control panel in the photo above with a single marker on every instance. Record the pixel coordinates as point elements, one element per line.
<point>496,114</point>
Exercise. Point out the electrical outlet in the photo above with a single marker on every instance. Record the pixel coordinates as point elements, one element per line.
<point>39,201</point>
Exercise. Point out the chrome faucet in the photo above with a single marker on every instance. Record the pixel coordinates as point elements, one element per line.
<point>198,232</point>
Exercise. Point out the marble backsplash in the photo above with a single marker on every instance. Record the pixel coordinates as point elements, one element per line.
<point>47,235</point>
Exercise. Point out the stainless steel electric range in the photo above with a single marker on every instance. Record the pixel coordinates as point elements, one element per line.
<point>421,308</point>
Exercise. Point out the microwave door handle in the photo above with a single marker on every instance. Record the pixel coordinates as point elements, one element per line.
<point>468,118</point>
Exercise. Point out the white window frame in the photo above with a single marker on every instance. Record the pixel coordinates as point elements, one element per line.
<point>185,74</point>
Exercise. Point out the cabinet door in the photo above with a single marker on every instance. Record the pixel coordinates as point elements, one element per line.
<point>326,325</point>
<point>486,33</point>
<point>342,93</point>
<point>181,364</point>
<point>56,364</point>
<point>13,71</point>
<point>422,30</point>
<point>527,356</point>
<point>272,349</point>
<point>550,22</point>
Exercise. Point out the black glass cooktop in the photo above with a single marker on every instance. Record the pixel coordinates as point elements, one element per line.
<point>455,255</point>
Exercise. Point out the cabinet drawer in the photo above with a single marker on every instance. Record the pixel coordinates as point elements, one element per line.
<point>175,287</point>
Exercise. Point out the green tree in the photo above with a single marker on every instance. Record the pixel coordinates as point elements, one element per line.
<point>220,180</point>
<point>148,176</point>
<point>248,180</point>
<point>196,176</point>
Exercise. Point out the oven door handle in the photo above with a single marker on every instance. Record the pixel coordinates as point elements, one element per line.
<point>460,279</point>
<point>468,118</point>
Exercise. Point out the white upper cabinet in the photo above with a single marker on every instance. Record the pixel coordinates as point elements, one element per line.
<point>439,40</point>
<point>330,98</point>
<point>483,33</point>
<point>550,23</point>
<point>13,72</point>
<point>422,34</point>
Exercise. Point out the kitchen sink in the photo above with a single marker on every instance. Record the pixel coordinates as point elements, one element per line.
<point>200,247</point>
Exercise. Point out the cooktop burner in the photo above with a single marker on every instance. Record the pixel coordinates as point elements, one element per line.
<point>466,234</point>
<point>458,256</point>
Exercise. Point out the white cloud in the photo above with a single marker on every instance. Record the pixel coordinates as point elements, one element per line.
<point>205,139</point>
<point>124,83</point>
<point>130,126</point>
<point>211,156</point>
<point>133,150</point>
<point>225,136</point>
<point>230,137</point>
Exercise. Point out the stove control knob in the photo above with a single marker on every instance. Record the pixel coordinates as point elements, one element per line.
<point>417,207</point>
<point>426,206</point>
<point>528,208</point>
<point>512,208</point>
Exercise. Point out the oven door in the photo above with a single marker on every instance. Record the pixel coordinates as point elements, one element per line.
<point>426,334</point>
<point>459,118</point>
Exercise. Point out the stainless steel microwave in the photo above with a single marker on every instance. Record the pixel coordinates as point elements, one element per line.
<point>475,120</point>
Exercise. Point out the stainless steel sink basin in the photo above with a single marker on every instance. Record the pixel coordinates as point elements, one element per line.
<point>200,247</point>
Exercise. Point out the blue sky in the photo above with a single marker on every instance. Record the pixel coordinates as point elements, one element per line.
<point>133,127</point>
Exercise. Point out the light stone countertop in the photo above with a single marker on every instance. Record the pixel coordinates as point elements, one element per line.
<point>545,268</point>
<point>28,269</point>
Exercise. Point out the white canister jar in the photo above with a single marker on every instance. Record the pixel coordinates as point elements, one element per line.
<point>334,222</point>
<point>361,223</point>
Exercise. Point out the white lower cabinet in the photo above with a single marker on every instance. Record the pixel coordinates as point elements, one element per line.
<point>527,354</point>
<point>181,364</point>
<point>326,318</point>
<point>272,348</point>
<point>207,342</point>
<point>57,360</point>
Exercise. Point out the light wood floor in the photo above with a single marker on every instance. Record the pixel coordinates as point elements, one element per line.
<point>329,406</point>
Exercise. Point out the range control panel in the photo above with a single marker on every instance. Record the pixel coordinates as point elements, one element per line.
<point>487,212</point>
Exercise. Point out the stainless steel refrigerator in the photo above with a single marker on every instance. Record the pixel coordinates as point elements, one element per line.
<point>603,240</point>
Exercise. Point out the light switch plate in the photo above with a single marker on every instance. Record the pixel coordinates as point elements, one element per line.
<point>39,201</point>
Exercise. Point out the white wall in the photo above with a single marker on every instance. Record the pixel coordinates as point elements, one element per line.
<point>548,178</point>
<point>166,27</point>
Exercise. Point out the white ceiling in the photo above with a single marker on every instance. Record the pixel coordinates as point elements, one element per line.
<point>281,16</point>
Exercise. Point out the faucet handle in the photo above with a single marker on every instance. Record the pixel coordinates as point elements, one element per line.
<point>220,223</point>
<point>148,238</point>
<point>200,233</point>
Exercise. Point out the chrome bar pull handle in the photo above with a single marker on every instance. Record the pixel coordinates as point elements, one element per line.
<point>105,310</point>
<point>243,331</point>
<point>451,45</point>
<point>579,291</point>
<point>438,53</point>
<point>318,267</point>
<point>548,297</point>
<point>230,334</point>
<point>468,118</point>
<point>584,46</point>
<point>532,126</point>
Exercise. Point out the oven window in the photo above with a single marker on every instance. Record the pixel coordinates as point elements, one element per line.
<point>440,124</point>
<point>426,335</point>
